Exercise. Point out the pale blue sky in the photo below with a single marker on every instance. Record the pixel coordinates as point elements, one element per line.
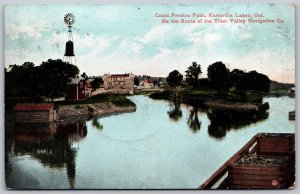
<point>129,38</point>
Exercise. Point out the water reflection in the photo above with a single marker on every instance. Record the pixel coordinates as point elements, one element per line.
<point>193,120</point>
<point>53,144</point>
<point>175,113</point>
<point>116,157</point>
<point>222,121</point>
<point>96,123</point>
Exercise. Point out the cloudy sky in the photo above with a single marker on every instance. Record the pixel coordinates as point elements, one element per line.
<point>129,38</point>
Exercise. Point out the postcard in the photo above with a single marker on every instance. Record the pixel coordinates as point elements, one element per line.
<point>134,96</point>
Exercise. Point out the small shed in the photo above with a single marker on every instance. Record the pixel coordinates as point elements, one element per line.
<point>35,113</point>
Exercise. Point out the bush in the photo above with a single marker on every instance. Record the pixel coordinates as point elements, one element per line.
<point>78,107</point>
<point>165,95</point>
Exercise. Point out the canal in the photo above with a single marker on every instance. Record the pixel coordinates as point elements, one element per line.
<point>163,145</point>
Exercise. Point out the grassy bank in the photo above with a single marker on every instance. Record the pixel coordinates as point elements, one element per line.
<point>210,95</point>
<point>116,99</point>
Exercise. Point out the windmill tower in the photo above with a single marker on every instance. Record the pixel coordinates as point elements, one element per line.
<point>69,56</point>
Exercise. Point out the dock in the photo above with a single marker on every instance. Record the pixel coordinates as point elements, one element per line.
<point>267,161</point>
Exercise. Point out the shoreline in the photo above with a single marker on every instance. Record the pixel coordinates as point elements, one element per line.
<point>214,102</point>
<point>85,111</point>
<point>220,104</point>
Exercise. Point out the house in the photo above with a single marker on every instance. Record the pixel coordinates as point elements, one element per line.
<point>119,83</point>
<point>76,89</point>
<point>35,113</point>
<point>146,84</point>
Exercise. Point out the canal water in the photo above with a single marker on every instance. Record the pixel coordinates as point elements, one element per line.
<point>163,145</point>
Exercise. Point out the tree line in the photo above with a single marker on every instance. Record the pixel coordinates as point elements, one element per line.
<point>29,81</point>
<point>220,78</point>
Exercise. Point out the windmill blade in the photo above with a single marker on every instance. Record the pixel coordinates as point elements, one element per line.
<point>69,19</point>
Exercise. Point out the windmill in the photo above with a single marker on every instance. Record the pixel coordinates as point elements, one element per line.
<point>69,55</point>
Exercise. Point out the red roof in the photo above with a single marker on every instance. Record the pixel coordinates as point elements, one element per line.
<point>25,107</point>
<point>120,75</point>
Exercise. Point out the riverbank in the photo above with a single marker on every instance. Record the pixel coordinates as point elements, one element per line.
<point>212,99</point>
<point>83,111</point>
<point>220,104</point>
<point>99,105</point>
<point>104,104</point>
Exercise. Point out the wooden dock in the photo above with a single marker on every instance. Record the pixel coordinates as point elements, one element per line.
<point>267,161</point>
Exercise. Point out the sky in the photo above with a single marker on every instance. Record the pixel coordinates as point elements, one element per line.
<point>130,38</point>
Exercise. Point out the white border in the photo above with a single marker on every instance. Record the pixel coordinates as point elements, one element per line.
<point>2,166</point>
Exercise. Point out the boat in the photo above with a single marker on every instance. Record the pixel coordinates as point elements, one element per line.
<point>267,161</point>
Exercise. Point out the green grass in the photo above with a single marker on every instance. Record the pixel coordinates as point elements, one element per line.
<point>200,92</point>
<point>198,96</point>
<point>117,99</point>
<point>78,107</point>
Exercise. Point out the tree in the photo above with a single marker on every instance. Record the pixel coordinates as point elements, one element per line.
<point>174,78</point>
<point>238,80</point>
<point>136,81</point>
<point>96,83</point>
<point>175,113</point>
<point>193,120</point>
<point>257,81</point>
<point>155,82</point>
<point>28,65</point>
<point>21,81</point>
<point>192,74</point>
<point>218,76</point>
<point>84,75</point>
<point>55,75</point>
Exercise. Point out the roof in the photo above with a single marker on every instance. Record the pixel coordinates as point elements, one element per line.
<point>26,107</point>
<point>120,75</point>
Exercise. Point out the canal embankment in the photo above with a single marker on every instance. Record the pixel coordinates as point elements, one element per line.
<point>83,111</point>
<point>99,105</point>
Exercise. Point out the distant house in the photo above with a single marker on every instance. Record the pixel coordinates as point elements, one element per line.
<point>145,84</point>
<point>119,83</point>
<point>76,89</point>
<point>35,112</point>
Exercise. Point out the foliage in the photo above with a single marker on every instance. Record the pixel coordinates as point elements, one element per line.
<point>155,82</point>
<point>174,78</point>
<point>56,75</point>
<point>218,76</point>
<point>21,80</point>
<point>237,80</point>
<point>161,95</point>
<point>96,123</point>
<point>193,120</point>
<point>78,107</point>
<point>249,81</point>
<point>30,81</point>
<point>175,113</point>
<point>192,74</point>
<point>96,83</point>
<point>117,99</point>
<point>257,81</point>
<point>136,81</point>
<point>84,75</point>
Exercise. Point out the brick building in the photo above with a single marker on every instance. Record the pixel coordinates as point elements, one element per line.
<point>119,83</point>
<point>76,89</point>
